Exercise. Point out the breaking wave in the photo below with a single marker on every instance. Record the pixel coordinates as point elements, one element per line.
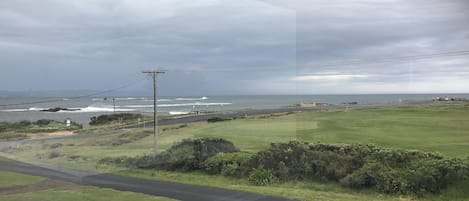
<point>189,99</point>
<point>15,110</point>
<point>159,100</point>
<point>24,110</point>
<point>178,112</point>
<point>129,98</point>
<point>177,105</point>
<point>91,109</point>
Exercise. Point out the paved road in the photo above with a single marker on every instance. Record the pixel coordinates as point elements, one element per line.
<point>151,187</point>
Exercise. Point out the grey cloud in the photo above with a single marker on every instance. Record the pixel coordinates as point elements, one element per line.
<point>221,46</point>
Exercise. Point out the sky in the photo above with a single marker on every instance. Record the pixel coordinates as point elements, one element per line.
<point>224,47</point>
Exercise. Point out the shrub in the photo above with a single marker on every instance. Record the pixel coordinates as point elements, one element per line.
<point>217,119</point>
<point>74,157</point>
<point>175,127</point>
<point>361,166</point>
<point>232,170</point>
<point>144,161</point>
<point>43,122</point>
<point>23,123</point>
<point>227,164</point>
<point>261,177</point>
<point>55,145</point>
<point>283,171</point>
<point>53,155</point>
<point>354,166</point>
<point>191,154</point>
<point>112,118</point>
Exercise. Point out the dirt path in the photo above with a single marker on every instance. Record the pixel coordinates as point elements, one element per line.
<point>53,134</point>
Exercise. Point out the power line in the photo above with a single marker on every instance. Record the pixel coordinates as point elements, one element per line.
<point>72,98</point>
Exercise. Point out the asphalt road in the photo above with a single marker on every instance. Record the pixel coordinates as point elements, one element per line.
<point>151,187</point>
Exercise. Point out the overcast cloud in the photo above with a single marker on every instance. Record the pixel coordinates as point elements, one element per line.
<point>212,47</point>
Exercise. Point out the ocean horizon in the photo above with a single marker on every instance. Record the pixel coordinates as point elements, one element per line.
<point>29,108</point>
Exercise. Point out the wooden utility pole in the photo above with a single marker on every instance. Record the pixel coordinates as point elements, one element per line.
<point>114,104</point>
<point>154,75</point>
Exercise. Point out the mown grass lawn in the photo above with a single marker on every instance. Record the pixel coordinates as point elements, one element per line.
<point>443,129</point>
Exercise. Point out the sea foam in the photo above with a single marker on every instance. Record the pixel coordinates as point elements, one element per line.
<point>177,105</point>
<point>91,109</point>
<point>189,99</point>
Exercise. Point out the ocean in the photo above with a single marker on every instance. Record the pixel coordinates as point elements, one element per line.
<point>94,106</point>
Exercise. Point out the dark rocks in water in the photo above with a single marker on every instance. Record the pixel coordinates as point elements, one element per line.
<point>350,103</point>
<point>56,109</point>
<point>448,99</point>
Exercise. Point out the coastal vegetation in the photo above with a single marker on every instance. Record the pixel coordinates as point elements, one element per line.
<point>21,129</point>
<point>217,119</point>
<point>408,144</point>
<point>354,166</point>
<point>115,118</point>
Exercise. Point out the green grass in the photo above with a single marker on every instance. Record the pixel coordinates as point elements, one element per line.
<point>443,129</point>
<point>82,193</point>
<point>294,190</point>
<point>11,179</point>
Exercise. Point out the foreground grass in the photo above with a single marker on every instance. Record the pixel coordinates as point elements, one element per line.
<point>293,190</point>
<point>440,129</point>
<point>82,193</point>
<point>11,179</point>
<point>305,190</point>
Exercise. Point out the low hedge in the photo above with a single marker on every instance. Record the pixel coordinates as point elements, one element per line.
<point>227,164</point>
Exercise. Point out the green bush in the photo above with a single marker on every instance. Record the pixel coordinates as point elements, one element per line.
<point>261,177</point>
<point>43,122</point>
<point>304,161</point>
<point>115,118</point>
<point>53,155</point>
<point>361,166</point>
<point>227,164</point>
<point>144,161</point>
<point>217,119</point>
<point>42,125</point>
<point>354,166</point>
<point>190,154</point>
